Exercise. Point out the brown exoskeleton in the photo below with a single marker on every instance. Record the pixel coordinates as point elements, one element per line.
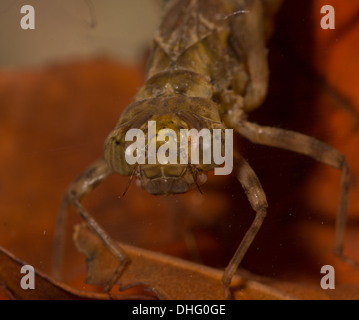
<point>208,69</point>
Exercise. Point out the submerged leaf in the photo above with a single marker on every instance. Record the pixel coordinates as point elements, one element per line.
<point>173,278</point>
<point>46,288</point>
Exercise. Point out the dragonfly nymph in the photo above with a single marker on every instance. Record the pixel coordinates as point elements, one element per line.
<point>208,69</point>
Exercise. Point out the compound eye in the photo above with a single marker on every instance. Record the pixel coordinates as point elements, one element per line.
<point>115,152</point>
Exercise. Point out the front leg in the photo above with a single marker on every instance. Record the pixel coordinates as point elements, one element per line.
<point>80,187</point>
<point>257,198</point>
<point>313,148</point>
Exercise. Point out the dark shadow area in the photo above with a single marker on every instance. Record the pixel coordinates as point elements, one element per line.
<point>278,249</point>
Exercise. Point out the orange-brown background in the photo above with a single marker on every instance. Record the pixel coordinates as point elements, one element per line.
<point>54,119</point>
